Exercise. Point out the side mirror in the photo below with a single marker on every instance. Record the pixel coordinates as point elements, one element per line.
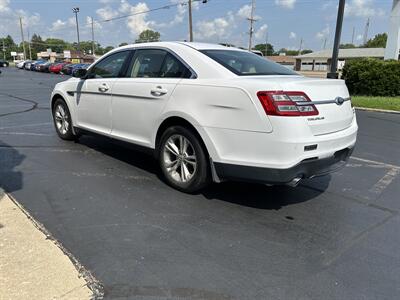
<point>80,73</point>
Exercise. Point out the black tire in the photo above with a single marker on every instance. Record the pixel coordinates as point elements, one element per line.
<point>67,134</point>
<point>200,177</point>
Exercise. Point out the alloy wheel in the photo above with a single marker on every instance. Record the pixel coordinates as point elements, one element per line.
<point>62,119</point>
<point>179,158</point>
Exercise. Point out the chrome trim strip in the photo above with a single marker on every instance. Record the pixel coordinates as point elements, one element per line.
<point>302,103</point>
<point>113,95</point>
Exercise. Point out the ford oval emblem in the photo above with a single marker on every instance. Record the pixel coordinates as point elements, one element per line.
<point>339,100</point>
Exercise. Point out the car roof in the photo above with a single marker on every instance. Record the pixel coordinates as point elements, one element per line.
<point>193,45</point>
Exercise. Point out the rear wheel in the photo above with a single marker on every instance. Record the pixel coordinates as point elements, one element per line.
<point>62,120</point>
<point>183,160</point>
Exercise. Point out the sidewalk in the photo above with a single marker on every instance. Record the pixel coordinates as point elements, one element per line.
<point>31,266</point>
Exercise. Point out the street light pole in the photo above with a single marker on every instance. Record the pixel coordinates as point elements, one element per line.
<point>76,10</point>
<point>333,71</point>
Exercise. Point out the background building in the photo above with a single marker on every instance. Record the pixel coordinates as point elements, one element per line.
<point>321,60</point>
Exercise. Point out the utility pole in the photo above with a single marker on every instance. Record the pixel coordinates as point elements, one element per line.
<point>92,37</point>
<point>301,46</point>
<point>251,20</point>
<point>190,22</point>
<point>29,45</point>
<point>352,37</point>
<point>22,37</point>
<point>324,47</point>
<point>266,43</point>
<point>366,32</point>
<point>76,10</point>
<point>4,50</point>
<point>339,22</point>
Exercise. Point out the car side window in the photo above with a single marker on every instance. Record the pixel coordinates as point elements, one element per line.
<point>173,68</point>
<point>146,63</point>
<point>109,67</point>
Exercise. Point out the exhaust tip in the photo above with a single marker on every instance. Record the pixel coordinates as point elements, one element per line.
<point>295,181</point>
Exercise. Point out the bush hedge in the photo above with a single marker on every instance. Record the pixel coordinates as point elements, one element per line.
<point>372,77</point>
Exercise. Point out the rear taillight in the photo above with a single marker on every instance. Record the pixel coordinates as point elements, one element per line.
<point>280,103</point>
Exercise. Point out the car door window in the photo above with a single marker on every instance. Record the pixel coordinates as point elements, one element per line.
<point>109,67</point>
<point>173,68</point>
<point>146,63</point>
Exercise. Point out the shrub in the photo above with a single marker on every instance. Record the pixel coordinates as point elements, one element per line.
<point>372,77</point>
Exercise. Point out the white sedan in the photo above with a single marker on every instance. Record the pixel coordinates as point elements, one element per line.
<point>211,113</point>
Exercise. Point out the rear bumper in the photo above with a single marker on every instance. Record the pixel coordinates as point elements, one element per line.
<point>305,169</point>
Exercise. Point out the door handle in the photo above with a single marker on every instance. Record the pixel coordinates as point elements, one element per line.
<point>158,91</point>
<point>103,88</point>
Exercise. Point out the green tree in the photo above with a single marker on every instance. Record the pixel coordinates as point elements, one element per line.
<point>306,51</point>
<point>37,44</point>
<point>267,49</point>
<point>378,41</point>
<point>101,50</point>
<point>148,36</point>
<point>9,45</point>
<point>347,46</point>
<point>56,45</point>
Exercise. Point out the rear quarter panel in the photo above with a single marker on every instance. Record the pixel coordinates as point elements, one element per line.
<point>217,105</point>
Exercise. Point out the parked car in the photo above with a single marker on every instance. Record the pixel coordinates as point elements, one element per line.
<point>211,113</point>
<point>77,67</point>
<point>32,65</point>
<point>27,65</point>
<point>4,63</point>
<point>21,64</point>
<point>67,69</point>
<point>44,67</point>
<point>56,68</point>
<point>38,65</point>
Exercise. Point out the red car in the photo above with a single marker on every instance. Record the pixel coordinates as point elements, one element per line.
<point>56,68</point>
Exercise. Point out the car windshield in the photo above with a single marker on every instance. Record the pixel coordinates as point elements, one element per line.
<point>244,63</point>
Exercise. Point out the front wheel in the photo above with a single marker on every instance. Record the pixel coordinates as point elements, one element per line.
<point>62,120</point>
<point>183,160</point>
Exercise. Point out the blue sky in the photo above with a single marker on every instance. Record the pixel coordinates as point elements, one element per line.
<point>286,21</point>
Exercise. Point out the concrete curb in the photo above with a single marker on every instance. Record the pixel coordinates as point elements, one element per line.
<point>91,283</point>
<point>378,110</point>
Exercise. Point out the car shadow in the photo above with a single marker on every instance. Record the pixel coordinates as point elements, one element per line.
<point>241,193</point>
<point>10,158</point>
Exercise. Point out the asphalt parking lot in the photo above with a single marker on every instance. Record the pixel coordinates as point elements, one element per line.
<point>334,237</point>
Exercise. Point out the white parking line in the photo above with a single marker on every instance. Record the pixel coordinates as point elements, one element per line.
<point>375,162</point>
<point>386,180</point>
<point>27,125</point>
<point>25,133</point>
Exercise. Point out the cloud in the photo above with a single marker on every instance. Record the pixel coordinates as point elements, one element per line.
<point>4,6</point>
<point>138,22</point>
<point>362,8</point>
<point>96,25</point>
<point>214,30</point>
<point>289,4</point>
<point>106,13</point>
<point>324,33</point>
<point>221,29</point>
<point>245,12</point>
<point>292,35</point>
<point>260,34</point>
<point>179,16</point>
<point>59,24</point>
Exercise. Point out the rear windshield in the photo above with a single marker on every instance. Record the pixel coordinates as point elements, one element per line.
<point>244,63</point>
